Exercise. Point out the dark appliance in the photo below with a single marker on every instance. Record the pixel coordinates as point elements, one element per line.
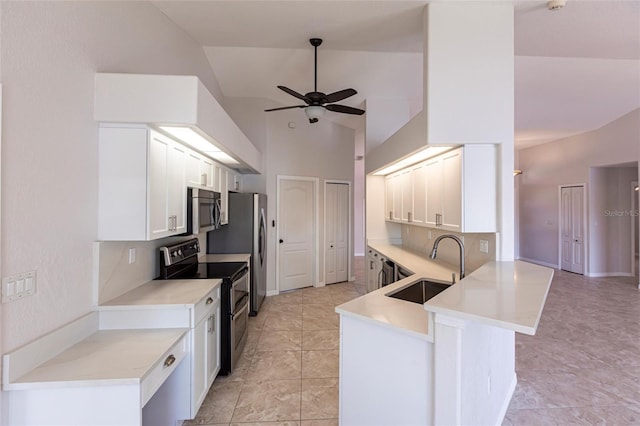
<point>246,232</point>
<point>180,261</point>
<point>203,211</point>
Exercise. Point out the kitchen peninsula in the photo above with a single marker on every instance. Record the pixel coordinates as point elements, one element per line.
<point>451,361</point>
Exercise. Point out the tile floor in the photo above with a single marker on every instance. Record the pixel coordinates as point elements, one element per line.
<point>581,368</point>
<point>288,373</point>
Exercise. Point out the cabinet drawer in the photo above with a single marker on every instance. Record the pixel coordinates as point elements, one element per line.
<point>203,307</point>
<point>163,368</point>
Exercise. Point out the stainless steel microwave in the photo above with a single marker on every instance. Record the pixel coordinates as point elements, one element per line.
<point>203,210</point>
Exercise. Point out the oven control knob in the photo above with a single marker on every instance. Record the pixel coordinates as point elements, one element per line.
<point>180,252</point>
<point>174,253</point>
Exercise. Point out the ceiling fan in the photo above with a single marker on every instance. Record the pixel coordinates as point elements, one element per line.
<point>316,103</point>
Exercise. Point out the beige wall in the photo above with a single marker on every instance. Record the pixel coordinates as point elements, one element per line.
<point>50,54</point>
<point>567,161</point>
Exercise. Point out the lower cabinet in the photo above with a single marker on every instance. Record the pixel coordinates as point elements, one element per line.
<point>205,351</point>
<point>374,270</point>
<point>203,320</point>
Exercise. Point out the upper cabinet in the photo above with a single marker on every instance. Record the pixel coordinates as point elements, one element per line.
<point>143,180</point>
<point>454,191</point>
<point>141,185</point>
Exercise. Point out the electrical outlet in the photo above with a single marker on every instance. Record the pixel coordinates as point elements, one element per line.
<point>132,255</point>
<point>429,234</point>
<point>18,286</point>
<point>484,246</point>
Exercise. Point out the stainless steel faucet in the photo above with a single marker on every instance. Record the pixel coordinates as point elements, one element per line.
<point>434,250</point>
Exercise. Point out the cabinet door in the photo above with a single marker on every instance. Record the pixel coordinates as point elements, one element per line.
<point>388,197</point>
<point>199,379</point>
<point>397,198</point>
<point>207,170</point>
<point>371,274</point>
<point>235,182</point>
<point>452,190</point>
<point>434,191</point>
<point>213,351</point>
<point>194,173</point>
<point>407,195</point>
<point>177,189</point>
<point>159,223</point>
<point>224,196</point>
<point>419,193</point>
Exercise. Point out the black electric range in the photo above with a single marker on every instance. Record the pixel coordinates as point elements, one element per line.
<point>180,262</point>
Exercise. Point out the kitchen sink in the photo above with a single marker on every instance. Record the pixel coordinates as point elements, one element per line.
<point>419,291</point>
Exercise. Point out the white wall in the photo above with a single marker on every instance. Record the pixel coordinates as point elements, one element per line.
<point>323,150</point>
<point>358,196</point>
<point>611,213</point>
<point>566,161</point>
<point>50,52</point>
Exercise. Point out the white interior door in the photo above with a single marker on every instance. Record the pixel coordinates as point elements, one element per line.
<point>296,213</point>
<point>571,228</point>
<point>337,233</point>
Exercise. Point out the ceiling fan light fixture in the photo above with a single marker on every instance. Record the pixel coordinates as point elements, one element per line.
<point>314,112</point>
<point>556,4</point>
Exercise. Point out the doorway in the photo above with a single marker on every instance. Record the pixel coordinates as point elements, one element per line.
<point>572,228</point>
<point>337,230</point>
<point>635,229</point>
<point>297,232</point>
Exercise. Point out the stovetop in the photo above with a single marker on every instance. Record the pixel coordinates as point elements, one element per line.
<point>226,270</point>
<point>180,261</point>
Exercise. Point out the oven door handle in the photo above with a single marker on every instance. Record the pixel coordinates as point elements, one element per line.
<point>244,303</point>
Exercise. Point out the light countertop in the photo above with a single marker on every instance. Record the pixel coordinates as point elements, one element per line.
<point>509,295</point>
<point>237,257</point>
<point>107,357</point>
<point>160,294</point>
<point>406,317</point>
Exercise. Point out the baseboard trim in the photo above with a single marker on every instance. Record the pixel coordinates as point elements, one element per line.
<point>609,274</point>
<point>539,262</point>
<point>272,293</point>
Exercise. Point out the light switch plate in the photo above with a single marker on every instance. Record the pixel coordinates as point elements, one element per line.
<point>18,286</point>
<point>484,246</point>
<point>132,255</point>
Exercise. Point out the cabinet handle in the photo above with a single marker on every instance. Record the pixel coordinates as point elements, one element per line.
<point>390,215</point>
<point>209,301</point>
<point>438,219</point>
<point>169,361</point>
<point>408,216</point>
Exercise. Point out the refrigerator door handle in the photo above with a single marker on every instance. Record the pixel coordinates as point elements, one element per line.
<point>262,237</point>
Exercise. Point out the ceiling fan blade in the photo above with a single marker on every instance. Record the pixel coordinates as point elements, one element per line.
<point>344,109</point>
<point>340,95</point>
<point>295,94</point>
<point>289,107</point>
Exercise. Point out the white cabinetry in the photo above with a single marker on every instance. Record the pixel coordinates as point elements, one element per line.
<point>455,191</point>
<point>200,171</point>
<point>224,196</point>
<point>418,194</point>
<point>202,318</point>
<point>393,197</point>
<point>205,348</point>
<point>141,185</point>
<point>374,269</point>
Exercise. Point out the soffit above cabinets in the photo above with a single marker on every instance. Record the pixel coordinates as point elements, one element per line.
<point>175,101</point>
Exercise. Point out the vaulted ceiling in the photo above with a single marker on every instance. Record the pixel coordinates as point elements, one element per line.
<point>576,69</point>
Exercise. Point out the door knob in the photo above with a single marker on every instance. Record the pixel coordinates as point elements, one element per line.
<point>281,241</point>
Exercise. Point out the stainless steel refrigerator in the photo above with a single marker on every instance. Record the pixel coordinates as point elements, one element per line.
<point>246,233</point>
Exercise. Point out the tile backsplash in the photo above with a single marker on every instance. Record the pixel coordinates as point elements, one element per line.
<point>421,239</point>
